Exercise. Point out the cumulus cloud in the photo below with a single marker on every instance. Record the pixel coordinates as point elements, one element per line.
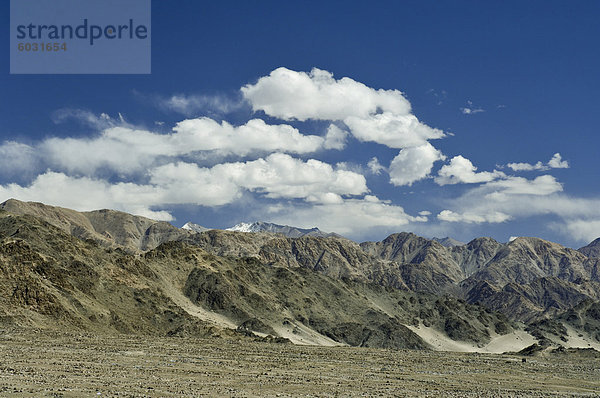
<point>335,138</point>
<point>527,166</point>
<point>555,162</point>
<point>277,176</point>
<point>127,150</point>
<point>392,130</point>
<point>287,95</point>
<point>413,164</point>
<point>502,198</point>
<point>380,116</point>
<point>205,134</point>
<point>120,149</point>
<point>461,170</point>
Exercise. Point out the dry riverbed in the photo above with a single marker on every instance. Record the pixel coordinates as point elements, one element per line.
<point>79,365</point>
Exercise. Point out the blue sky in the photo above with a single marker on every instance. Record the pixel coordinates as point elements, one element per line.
<point>430,89</point>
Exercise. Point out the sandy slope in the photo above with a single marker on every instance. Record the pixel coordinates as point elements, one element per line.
<point>515,341</point>
<point>577,339</point>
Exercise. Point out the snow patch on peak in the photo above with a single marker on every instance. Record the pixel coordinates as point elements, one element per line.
<point>289,231</point>
<point>246,227</point>
<point>190,226</point>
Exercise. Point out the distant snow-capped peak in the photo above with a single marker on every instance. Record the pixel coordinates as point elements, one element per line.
<point>289,231</point>
<point>246,227</point>
<point>190,226</point>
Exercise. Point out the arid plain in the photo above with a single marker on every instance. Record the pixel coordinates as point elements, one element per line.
<point>78,365</point>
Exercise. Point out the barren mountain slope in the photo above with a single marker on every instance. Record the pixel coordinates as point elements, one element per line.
<point>51,279</point>
<point>107,227</point>
<point>527,279</point>
<point>591,250</point>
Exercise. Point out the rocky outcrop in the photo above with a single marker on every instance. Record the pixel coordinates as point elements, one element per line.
<point>591,250</point>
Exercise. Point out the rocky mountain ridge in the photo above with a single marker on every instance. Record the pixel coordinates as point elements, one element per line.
<point>527,279</point>
<point>591,250</point>
<point>448,241</point>
<point>286,230</point>
<point>109,228</point>
<point>50,279</point>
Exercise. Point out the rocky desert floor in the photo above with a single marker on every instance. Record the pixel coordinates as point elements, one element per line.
<point>44,364</point>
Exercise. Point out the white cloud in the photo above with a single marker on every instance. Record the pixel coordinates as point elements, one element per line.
<point>281,176</point>
<point>381,116</point>
<point>583,230</point>
<point>158,170</point>
<point>461,170</point>
<point>205,134</point>
<point>277,176</point>
<point>392,130</point>
<point>473,218</point>
<point>527,166</point>
<point>413,164</point>
<point>375,167</point>
<point>335,138</point>
<point>525,203</point>
<point>17,158</point>
<point>188,105</point>
<point>350,166</point>
<point>98,122</point>
<point>128,150</point>
<point>287,94</point>
<point>540,186</point>
<point>118,148</point>
<point>512,197</point>
<point>470,109</point>
<point>555,162</point>
<point>85,194</point>
<point>520,198</point>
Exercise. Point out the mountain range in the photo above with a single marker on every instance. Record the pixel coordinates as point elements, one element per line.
<point>286,230</point>
<point>110,271</point>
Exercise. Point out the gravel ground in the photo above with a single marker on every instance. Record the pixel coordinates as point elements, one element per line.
<point>78,365</point>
